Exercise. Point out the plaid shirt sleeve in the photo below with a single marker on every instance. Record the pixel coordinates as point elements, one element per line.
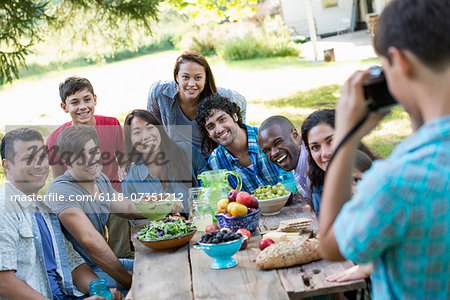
<point>375,218</point>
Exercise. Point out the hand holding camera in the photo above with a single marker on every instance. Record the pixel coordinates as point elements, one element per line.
<point>364,92</point>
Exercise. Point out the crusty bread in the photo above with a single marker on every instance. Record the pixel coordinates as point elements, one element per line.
<point>289,253</point>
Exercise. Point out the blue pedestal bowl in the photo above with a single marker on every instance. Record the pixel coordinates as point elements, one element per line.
<point>222,253</point>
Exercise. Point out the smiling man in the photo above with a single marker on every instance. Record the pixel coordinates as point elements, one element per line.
<point>36,261</point>
<point>283,146</point>
<point>220,123</point>
<point>85,199</point>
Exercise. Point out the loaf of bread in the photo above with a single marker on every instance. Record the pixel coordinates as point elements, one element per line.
<point>289,253</point>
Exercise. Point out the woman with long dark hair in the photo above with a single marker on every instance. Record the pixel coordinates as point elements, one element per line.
<point>317,134</point>
<point>175,102</point>
<point>160,165</point>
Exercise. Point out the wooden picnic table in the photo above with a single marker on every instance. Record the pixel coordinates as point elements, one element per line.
<point>185,273</point>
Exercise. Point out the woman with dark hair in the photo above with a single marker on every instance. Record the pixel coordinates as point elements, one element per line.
<point>175,102</point>
<point>160,165</point>
<point>317,134</point>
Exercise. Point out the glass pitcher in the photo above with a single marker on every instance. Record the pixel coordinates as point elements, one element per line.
<point>216,187</point>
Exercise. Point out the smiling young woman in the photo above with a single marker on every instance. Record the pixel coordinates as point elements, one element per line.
<point>175,102</point>
<point>317,134</point>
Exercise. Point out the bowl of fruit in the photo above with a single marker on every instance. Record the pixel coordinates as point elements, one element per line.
<point>240,210</point>
<point>271,199</point>
<point>166,234</point>
<point>153,207</point>
<point>221,246</point>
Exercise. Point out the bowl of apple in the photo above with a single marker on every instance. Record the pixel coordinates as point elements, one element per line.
<point>239,210</point>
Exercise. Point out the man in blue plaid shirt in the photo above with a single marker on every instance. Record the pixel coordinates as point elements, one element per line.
<point>399,218</point>
<point>238,150</point>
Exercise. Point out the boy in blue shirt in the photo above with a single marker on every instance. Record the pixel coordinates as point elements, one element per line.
<point>399,217</point>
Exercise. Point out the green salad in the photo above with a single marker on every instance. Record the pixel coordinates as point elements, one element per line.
<point>165,229</point>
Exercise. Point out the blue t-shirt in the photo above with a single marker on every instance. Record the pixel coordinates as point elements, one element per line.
<point>188,131</point>
<point>49,255</point>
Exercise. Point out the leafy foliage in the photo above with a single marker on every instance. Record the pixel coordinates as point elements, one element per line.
<point>25,22</point>
<point>19,30</point>
<point>205,11</point>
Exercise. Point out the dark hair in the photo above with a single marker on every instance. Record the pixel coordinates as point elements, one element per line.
<point>72,140</point>
<point>21,134</point>
<point>324,116</point>
<point>281,121</point>
<point>420,26</point>
<point>72,85</point>
<point>362,161</point>
<point>210,84</point>
<point>176,167</point>
<point>206,109</point>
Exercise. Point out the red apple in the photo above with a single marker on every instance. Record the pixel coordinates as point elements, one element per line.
<point>244,244</point>
<point>253,202</point>
<point>227,229</point>
<point>252,209</point>
<point>232,195</point>
<point>264,243</point>
<point>243,198</point>
<point>244,231</point>
<point>211,228</point>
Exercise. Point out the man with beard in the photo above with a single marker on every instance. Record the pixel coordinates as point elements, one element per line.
<point>283,146</point>
<point>236,144</point>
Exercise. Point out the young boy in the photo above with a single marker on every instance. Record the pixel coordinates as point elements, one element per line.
<point>79,100</point>
<point>399,215</point>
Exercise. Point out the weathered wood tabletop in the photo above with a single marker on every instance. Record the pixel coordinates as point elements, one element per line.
<point>186,274</point>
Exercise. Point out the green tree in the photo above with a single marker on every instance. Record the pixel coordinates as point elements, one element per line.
<point>23,23</point>
<point>96,24</point>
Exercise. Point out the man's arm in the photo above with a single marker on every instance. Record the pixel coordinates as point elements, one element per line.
<point>82,276</point>
<point>337,187</point>
<point>78,224</point>
<point>125,208</point>
<point>13,288</point>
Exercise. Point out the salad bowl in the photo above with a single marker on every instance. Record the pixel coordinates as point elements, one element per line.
<point>166,234</point>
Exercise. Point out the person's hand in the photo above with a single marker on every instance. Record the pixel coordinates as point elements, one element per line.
<point>354,273</point>
<point>352,107</point>
<point>116,294</point>
<point>123,171</point>
<point>177,207</point>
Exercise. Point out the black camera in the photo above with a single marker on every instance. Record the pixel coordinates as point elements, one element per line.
<point>376,91</point>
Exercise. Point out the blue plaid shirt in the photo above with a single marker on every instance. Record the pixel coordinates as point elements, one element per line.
<point>399,218</point>
<point>262,171</point>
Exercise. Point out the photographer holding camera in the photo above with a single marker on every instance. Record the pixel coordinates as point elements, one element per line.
<point>399,217</point>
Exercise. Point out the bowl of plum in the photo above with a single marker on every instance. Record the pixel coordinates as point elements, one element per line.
<point>221,245</point>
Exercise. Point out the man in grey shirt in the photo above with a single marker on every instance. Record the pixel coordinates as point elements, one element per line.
<point>84,198</point>
<point>36,261</point>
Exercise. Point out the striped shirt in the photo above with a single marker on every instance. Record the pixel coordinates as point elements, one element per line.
<point>261,172</point>
<point>399,218</point>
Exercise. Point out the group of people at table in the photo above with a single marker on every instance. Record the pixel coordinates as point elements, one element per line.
<point>53,245</point>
